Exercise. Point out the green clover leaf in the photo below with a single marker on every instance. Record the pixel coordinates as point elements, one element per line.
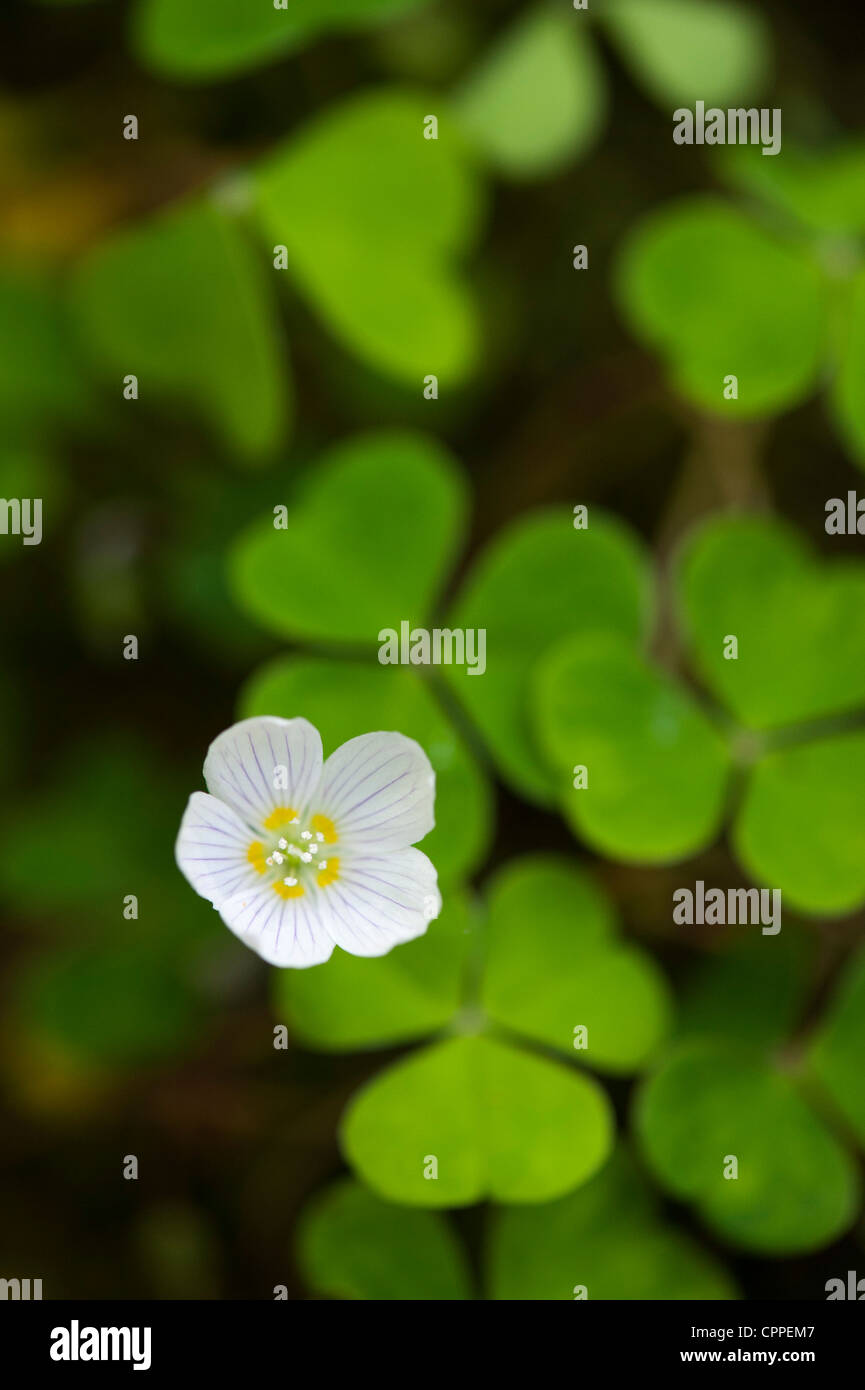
<point>469,1104</point>
<point>537,98</point>
<point>656,767</point>
<point>796,1190</point>
<point>568,970</point>
<point>375,220</point>
<point>680,52</point>
<point>799,647</point>
<point>716,295</point>
<point>202,40</point>
<point>180,302</point>
<point>465,980</point>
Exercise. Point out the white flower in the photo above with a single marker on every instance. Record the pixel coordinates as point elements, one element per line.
<point>299,855</point>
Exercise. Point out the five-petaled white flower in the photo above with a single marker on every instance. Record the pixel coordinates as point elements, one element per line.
<point>299,855</point>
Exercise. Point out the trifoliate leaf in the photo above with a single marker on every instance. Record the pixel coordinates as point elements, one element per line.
<point>750,991</point>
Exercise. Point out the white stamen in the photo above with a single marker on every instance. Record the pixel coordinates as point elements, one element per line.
<point>307,858</point>
<point>306,834</point>
<point>290,882</point>
<point>319,836</point>
<point>283,844</point>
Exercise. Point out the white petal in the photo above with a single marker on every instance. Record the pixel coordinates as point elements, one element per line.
<point>283,931</point>
<point>376,903</point>
<point>212,849</point>
<point>379,791</point>
<point>261,764</point>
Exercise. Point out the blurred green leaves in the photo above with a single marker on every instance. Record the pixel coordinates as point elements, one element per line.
<point>368,543</point>
<point>608,1237</point>
<point>773,293</point>
<point>181,303</point>
<point>353,1245</point>
<point>716,295</point>
<point>201,40</point>
<point>681,51</point>
<point>733,1086</point>
<point>117,988</point>
<point>375,219</point>
<point>537,98</point>
<point>796,1189</point>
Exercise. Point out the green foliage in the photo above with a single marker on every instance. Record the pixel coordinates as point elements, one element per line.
<point>375,220</point>
<point>41,388</point>
<point>537,98</point>
<point>796,1190</point>
<point>181,303</point>
<point>353,1245</point>
<point>123,993</point>
<point>200,40</point>
<point>368,543</point>
<point>109,1007</point>
<point>715,294</point>
<point>835,1054</point>
<point>546,920</point>
<point>777,300</point>
<point>801,824</point>
<point>471,1102</point>
<point>657,769</point>
<point>800,646</point>
<point>608,1237</point>
<point>682,51</point>
<point>747,994</point>
<point>553,962</point>
<point>538,580</point>
<point>360,1002</point>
